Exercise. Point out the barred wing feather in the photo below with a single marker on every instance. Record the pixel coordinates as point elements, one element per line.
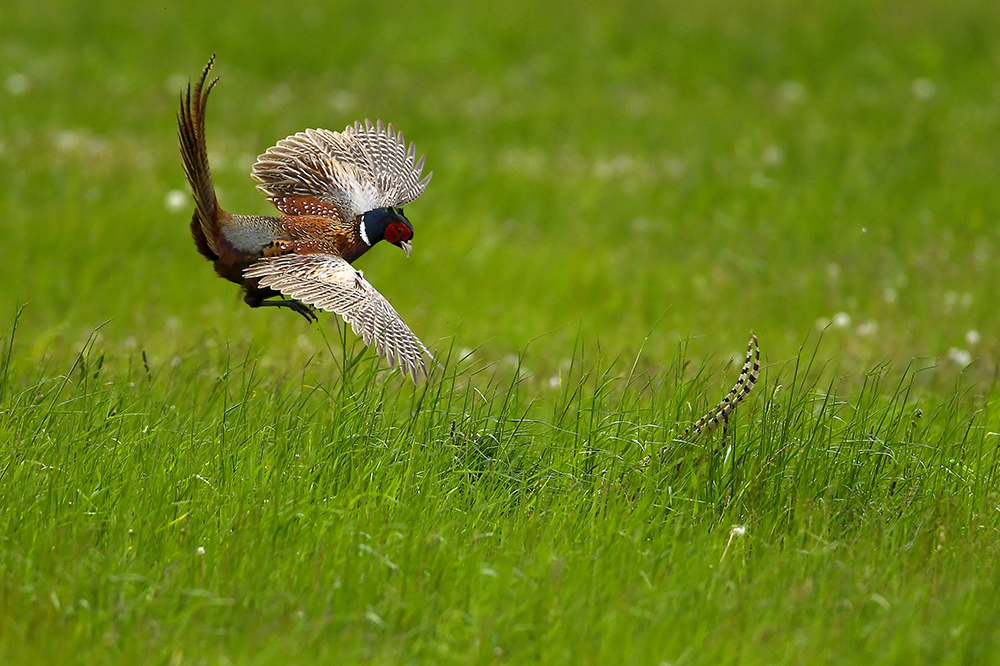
<point>329,283</point>
<point>364,167</point>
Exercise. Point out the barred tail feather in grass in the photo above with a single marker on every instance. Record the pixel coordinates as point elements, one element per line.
<point>744,384</point>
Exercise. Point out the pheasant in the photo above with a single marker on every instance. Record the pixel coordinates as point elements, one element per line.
<point>339,193</point>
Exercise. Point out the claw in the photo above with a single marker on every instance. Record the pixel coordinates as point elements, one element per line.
<point>291,304</point>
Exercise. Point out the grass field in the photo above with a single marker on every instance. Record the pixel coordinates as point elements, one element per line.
<point>622,191</point>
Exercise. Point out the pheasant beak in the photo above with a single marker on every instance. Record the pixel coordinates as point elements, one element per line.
<point>407,247</point>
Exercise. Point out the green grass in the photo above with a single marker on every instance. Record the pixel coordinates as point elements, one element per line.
<point>621,192</point>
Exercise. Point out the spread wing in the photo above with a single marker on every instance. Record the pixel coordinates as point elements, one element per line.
<point>329,283</point>
<point>364,167</point>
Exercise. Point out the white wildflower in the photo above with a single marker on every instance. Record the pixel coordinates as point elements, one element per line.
<point>791,91</point>
<point>772,156</point>
<point>841,320</point>
<point>67,140</point>
<point>18,84</point>
<point>867,329</point>
<point>342,101</point>
<point>736,531</point>
<point>959,357</point>
<point>923,88</point>
<point>175,201</point>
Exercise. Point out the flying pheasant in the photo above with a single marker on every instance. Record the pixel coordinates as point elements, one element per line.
<point>339,193</point>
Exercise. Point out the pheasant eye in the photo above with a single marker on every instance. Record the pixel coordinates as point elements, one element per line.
<point>404,232</point>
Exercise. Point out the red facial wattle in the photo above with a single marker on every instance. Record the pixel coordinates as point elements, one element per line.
<point>392,233</point>
<point>397,232</point>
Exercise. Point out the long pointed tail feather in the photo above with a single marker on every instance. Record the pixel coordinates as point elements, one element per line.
<point>721,413</point>
<point>194,152</point>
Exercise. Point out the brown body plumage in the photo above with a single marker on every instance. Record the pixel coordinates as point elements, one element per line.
<point>339,193</point>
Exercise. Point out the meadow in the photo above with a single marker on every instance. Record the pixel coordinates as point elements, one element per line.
<point>621,193</point>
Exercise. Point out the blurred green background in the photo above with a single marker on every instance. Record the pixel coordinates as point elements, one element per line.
<point>620,175</point>
<point>603,170</point>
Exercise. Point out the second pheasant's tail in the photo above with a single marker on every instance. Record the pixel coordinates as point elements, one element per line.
<point>721,413</point>
<point>191,131</point>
